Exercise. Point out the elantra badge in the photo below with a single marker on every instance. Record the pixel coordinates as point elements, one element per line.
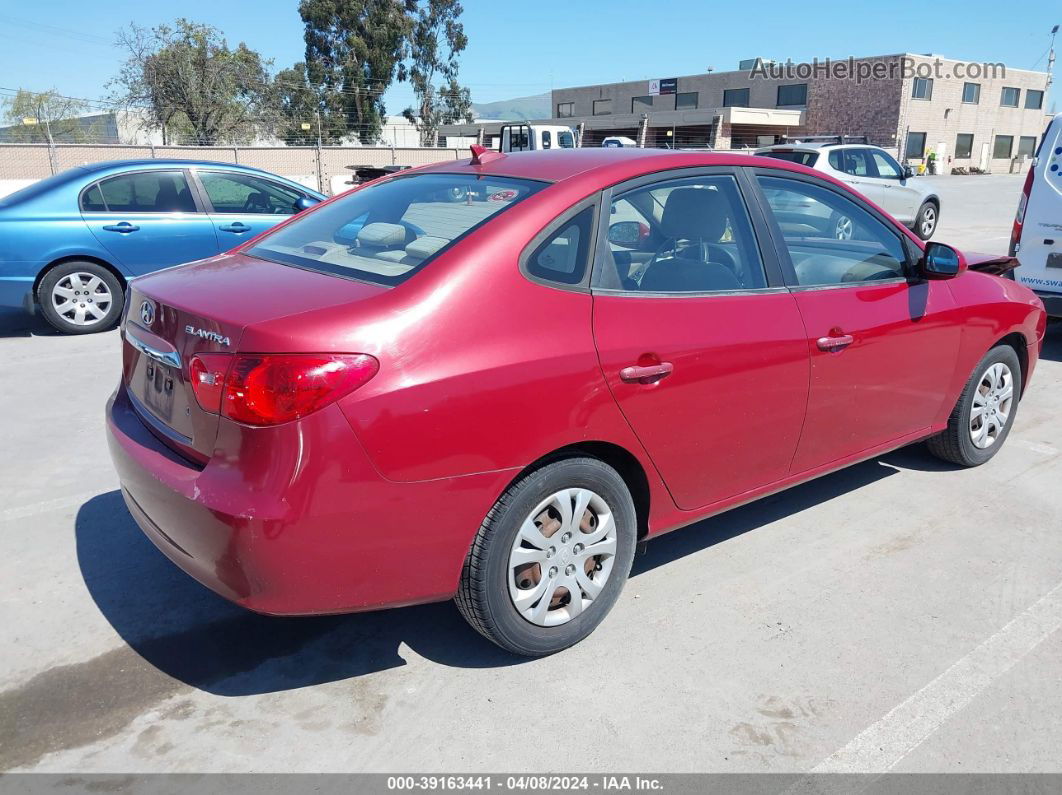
<point>213,336</point>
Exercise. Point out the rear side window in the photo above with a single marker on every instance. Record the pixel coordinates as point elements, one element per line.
<point>92,200</point>
<point>387,231</point>
<point>562,258</point>
<point>808,159</point>
<point>142,192</point>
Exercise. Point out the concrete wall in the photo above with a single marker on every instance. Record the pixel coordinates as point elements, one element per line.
<point>22,162</point>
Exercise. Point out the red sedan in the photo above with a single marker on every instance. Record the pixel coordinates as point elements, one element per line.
<point>491,379</point>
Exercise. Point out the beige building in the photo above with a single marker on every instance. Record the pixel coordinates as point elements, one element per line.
<point>969,114</point>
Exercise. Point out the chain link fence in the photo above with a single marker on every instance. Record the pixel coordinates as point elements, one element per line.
<point>326,168</point>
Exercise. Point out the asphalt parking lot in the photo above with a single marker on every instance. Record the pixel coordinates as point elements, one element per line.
<point>900,615</point>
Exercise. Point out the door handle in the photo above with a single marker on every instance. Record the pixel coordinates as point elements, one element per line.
<point>648,374</point>
<point>836,343</point>
<point>124,227</point>
<point>236,227</point>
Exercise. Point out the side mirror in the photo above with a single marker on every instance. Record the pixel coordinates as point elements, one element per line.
<point>305,203</point>
<point>908,172</point>
<point>628,234</point>
<point>941,262</point>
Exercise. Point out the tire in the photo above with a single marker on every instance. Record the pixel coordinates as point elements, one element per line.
<point>926,221</point>
<point>71,297</point>
<point>957,444</point>
<point>491,582</point>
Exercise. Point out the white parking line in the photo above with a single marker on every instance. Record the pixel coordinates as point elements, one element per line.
<point>882,745</point>
<point>58,504</point>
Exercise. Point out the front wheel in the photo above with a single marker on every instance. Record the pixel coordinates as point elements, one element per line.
<point>926,220</point>
<point>984,414</point>
<point>551,557</point>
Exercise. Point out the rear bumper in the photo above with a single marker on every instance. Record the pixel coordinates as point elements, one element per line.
<point>299,522</point>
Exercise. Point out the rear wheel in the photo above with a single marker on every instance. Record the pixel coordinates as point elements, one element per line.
<point>841,227</point>
<point>80,298</point>
<point>551,557</point>
<point>984,414</point>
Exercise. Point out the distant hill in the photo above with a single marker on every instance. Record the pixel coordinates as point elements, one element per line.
<point>521,108</point>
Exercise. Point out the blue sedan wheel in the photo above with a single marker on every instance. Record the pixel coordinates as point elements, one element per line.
<point>80,298</point>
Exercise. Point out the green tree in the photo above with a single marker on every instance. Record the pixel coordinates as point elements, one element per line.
<point>45,117</point>
<point>436,40</point>
<point>194,86</point>
<point>297,104</point>
<point>354,51</point>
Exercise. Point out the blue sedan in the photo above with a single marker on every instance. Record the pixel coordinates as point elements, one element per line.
<point>70,243</point>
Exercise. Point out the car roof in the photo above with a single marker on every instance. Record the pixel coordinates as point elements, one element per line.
<point>605,165</point>
<point>163,162</point>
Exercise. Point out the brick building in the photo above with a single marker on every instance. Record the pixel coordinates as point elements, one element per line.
<point>981,115</point>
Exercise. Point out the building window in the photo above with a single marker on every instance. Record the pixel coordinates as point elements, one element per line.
<point>736,98</point>
<point>963,145</point>
<point>916,145</point>
<point>565,110</point>
<point>1009,97</point>
<point>1003,148</point>
<point>686,101</point>
<point>1026,146</point>
<point>1034,100</point>
<point>971,93</point>
<point>792,96</point>
<point>922,88</point>
<point>641,103</point>
<point>602,107</point>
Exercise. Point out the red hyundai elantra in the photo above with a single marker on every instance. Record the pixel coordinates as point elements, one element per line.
<point>491,379</point>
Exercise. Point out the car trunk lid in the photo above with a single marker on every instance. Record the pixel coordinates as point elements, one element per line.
<point>173,315</point>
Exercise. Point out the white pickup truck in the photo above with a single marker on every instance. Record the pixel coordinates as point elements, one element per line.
<point>1037,236</point>
<point>524,137</point>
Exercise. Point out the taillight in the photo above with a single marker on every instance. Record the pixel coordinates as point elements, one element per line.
<point>268,389</point>
<point>1019,217</point>
<point>207,372</point>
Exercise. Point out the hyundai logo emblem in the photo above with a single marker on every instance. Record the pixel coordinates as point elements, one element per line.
<point>147,313</point>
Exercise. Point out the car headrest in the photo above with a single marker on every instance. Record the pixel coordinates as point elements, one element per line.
<point>426,245</point>
<point>381,235</point>
<point>694,214</point>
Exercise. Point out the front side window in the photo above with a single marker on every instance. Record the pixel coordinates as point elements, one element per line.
<point>565,140</point>
<point>736,98</point>
<point>1008,98</point>
<point>1034,100</point>
<point>689,235</point>
<point>385,232</point>
<point>922,88</point>
<point>831,240</point>
<point>242,193</point>
<point>887,168</point>
<point>1003,147</point>
<point>964,146</point>
<point>565,110</point>
<point>143,192</point>
<point>1026,145</point>
<point>602,107</point>
<point>563,256</point>
<point>795,95</point>
<point>971,93</point>
<point>916,144</point>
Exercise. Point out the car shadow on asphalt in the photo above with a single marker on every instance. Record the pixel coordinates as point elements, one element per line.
<point>21,325</point>
<point>1052,350</point>
<point>189,633</point>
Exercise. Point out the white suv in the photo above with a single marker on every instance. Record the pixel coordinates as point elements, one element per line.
<point>873,172</point>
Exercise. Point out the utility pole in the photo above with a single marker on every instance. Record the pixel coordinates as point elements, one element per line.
<point>1051,57</point>
<point>318,112</point>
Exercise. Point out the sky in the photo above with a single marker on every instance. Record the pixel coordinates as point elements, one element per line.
<point>520,49</point>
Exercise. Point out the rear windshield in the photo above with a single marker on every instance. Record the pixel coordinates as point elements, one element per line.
<point>803,158</point>
<point>386,232</point>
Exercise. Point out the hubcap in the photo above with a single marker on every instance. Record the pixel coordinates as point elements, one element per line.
<point>81,298</point>
<point>562,557</point>
<point>929,220</point>
<point>992,402</point>
<point>842,230</point>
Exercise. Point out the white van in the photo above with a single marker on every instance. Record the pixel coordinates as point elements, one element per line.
<point>523,137</point>
<point>1037,237</point>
